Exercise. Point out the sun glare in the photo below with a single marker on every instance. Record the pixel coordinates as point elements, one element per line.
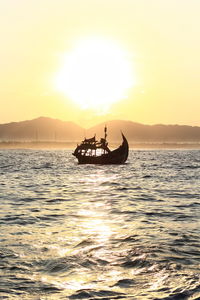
<point>95,74</point>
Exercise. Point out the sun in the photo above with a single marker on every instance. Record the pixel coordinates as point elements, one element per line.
<point>95,74</point>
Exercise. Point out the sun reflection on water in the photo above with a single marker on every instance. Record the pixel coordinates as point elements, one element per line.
<point>94,224</point>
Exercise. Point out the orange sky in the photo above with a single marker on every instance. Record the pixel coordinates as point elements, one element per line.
<point>162,38</point>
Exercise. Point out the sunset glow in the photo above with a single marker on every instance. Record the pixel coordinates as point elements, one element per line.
<point>100,149</point>
<point>95,74</point>
<point>92,61</point>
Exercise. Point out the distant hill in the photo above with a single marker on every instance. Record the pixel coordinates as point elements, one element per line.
<point>41,129</point>
<point>147,133</point>
<point>48,129</point>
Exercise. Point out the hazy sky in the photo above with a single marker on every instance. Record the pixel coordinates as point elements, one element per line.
<point>161,36</point>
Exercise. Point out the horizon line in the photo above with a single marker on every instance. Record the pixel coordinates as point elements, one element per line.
<point>102,122</point>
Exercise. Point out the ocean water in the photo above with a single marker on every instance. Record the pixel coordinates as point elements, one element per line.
<point>70,231</point>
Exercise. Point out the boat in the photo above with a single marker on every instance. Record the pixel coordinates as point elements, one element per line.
<point>92,151</point>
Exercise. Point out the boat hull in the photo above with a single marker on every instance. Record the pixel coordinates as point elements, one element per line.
<point>117,156</point>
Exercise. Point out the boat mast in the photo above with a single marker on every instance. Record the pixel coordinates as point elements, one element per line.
<point>105,131</point>
<point>105,136</point>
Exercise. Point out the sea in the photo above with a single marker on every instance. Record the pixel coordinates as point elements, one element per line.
<point>70,231</point>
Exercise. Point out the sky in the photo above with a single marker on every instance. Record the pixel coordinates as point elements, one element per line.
<point>161,39</point>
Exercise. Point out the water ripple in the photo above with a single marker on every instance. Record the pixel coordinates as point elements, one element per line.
<point>71,231</point>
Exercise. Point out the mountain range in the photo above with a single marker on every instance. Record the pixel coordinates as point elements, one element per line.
<point>48,129</point>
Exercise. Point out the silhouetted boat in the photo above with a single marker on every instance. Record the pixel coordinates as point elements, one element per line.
<point>91,151</point>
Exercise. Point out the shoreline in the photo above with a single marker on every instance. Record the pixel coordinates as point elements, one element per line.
<point>72,145</point>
